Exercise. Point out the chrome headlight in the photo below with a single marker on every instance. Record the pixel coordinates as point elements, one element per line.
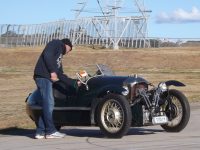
<point>126,91</point>
<point>162,86</point>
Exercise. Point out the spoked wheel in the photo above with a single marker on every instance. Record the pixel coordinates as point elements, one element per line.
<point>114,116</point>
<point>177,111</point>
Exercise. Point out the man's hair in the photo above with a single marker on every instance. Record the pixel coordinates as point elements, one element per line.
<point>67,42</point>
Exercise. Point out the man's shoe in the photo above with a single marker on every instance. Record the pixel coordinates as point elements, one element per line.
<point>55,135</point>
<point>39,136</point>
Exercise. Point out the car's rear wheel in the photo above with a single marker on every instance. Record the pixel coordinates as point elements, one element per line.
<point>114,116</point>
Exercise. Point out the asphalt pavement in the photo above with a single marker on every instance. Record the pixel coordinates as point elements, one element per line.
<point>90,138</point>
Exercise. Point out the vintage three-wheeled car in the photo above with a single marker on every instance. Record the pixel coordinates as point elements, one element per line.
<point>115,103</point>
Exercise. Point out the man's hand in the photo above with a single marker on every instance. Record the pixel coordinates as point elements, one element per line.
<point>54,77</point>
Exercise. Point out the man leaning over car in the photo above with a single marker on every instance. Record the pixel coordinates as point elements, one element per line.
<point>49,69</point>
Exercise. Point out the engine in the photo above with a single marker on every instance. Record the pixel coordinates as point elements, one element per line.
<point>151,101</point>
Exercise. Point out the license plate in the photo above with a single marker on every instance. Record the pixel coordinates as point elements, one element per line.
<point>160,120</point>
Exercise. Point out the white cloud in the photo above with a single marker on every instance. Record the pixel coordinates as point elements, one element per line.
<point>179,16</point>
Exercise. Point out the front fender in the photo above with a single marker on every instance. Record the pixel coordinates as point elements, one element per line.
<point>174,83</point>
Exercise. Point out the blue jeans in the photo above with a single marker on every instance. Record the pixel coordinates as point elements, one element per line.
<point>45,123</point>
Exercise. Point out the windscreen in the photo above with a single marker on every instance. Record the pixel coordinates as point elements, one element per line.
<point>105,70</point>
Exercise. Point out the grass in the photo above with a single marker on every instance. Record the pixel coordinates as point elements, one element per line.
<point>155,65</point>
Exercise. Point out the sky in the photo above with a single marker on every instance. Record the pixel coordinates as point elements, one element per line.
<point>169,18</point>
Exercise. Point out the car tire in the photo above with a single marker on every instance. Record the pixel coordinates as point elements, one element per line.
<point>179,108</point>
<point>114,115</point>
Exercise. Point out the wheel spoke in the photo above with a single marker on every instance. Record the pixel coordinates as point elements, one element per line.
<point>176,112</point>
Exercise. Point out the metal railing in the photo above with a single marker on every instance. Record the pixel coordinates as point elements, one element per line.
<point>88,31</point>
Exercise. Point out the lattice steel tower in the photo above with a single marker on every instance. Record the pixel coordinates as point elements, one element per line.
<point>108,24</point>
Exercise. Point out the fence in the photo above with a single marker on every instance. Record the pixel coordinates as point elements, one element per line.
<point>108,32</point>
<point>88,31</point>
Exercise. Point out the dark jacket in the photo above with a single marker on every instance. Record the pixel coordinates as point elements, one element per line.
<point>51,61</point>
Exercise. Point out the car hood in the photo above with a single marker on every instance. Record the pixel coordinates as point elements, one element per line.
<point>101,81</point>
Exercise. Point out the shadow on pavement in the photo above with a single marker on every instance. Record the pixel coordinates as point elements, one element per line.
<point>143,131</point>
<point>14,131</point>
<point>96,133</point>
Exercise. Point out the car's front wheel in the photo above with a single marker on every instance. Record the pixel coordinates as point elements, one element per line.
<point>178,112</point>
<point>114,116</point>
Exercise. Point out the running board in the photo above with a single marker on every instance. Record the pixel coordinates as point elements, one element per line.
<point>63,108</point>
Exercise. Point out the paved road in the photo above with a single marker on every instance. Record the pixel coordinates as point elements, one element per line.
<point>90,138</point>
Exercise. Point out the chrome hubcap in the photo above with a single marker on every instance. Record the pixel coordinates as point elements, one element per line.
<point>113,116</point>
